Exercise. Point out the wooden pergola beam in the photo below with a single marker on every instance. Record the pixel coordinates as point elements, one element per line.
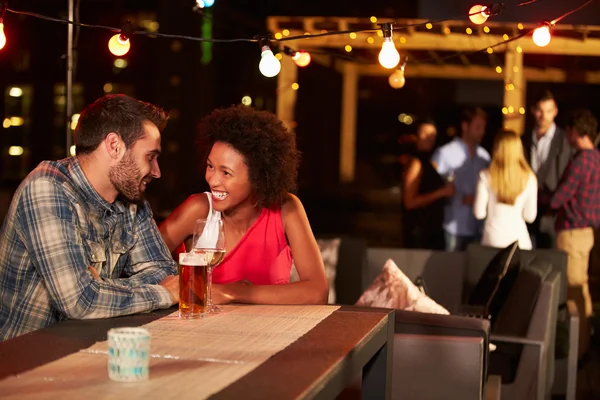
<point>278,23</point>
<point>454,42</point>
<point>481,73</point>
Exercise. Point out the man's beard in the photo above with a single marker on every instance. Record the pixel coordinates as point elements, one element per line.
<point>126,177</point>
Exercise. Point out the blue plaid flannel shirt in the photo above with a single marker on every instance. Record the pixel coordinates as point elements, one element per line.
<point>56,227</point>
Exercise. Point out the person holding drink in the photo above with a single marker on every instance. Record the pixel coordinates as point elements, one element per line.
<point>460,162</point>
<point>424,194</point>
<point>79,240</point>
<point>251,168</point>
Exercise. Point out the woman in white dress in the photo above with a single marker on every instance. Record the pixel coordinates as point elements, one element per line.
<point>506,195</point>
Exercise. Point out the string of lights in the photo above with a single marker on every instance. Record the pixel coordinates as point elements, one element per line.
<point>389,57</point>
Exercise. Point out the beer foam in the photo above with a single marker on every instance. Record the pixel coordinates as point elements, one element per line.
<point>193,258</point>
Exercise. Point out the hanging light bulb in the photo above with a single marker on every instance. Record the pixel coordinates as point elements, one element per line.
<point>119,44</point>
<point>269,65</point>
<point>3,6</point>
<point>301,58</point>
<point>388,56</point>
<point>397,79</point>
<point>541,35</point>
<point>478,14</point>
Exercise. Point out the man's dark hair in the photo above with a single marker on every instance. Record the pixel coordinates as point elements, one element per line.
<point>470,113</point>
<point>544,95</point>
<point>424,121</point>
<point>268,148</point>
<point>584,122</point>
<point>115,113</point>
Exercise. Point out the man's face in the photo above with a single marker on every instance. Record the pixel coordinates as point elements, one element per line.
<point>475,130</point>
<point>544,113</point>
<point>138,166</point>
<point>426,137</point>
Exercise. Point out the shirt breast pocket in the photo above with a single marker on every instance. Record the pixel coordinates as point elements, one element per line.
<point>120,250</point>
<point>96,255</point>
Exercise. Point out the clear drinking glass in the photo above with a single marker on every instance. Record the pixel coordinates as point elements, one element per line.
<point>209,241</point>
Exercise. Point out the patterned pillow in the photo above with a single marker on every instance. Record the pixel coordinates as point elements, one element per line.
<point>393,289</point>
<point>329,252</point>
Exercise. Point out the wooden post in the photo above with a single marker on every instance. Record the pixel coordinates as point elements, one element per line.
<point>348,123</point>
<point>69,82</point>
<point>514,89</point>
<point>286,96</point>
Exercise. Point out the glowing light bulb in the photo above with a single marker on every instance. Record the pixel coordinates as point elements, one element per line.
<point>541,36</point>
<point>302,58</point>
<point>388,56</point>
<point>269,66</point>
<point>118,45</point>
<point>478,14</point>
<point>397,79</point>
<point>208,3</point>
<point>2,36</point>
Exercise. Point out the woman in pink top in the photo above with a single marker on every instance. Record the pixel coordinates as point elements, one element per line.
<point>252,166</point>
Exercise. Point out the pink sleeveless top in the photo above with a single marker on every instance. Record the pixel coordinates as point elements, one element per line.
<point>262,256</point>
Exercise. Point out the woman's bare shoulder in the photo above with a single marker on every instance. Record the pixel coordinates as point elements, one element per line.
<point>195,206</point>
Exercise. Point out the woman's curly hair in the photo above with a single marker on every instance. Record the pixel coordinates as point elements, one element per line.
<point>268,148</point>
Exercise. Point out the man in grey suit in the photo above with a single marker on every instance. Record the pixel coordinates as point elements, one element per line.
<point>548,152</point>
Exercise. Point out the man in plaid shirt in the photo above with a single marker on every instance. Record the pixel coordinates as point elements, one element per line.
<point>577,201</point>
<point>79,240</point>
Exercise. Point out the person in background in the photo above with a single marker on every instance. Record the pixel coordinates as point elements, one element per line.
<point>577,204</point>
<point>506,194</point>
<point>423,194</point>
<point>461,160</point>
<point>251,168</point>
<point>79,240</point>
<point>548,152</point>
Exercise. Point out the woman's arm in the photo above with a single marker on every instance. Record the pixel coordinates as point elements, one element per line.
<point>482,197</point>
<point>180,223</point>
<point>531,200</point>
<point>312,287</point>
<point>411,197</point>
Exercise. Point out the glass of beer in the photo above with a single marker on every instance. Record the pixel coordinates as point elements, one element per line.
<point>193,285</point>
<point>209,243</point>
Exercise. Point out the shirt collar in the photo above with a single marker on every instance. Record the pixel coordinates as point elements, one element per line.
<point>464,146</point>
<point>547,137</point>
<point>85,186</point>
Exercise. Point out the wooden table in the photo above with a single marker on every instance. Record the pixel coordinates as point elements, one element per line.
<point>318,365</point>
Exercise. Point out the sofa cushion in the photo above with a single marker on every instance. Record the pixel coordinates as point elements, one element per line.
<point>329,249</point>
<point>478,255</point>
<point>496,281</point>
<point>393,289</point>
<point>517,319</point>
<point>514,317</point>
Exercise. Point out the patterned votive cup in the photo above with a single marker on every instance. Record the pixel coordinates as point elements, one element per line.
<point>128,354</point>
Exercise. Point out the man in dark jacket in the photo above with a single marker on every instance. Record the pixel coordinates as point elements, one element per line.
<point>548,152</point>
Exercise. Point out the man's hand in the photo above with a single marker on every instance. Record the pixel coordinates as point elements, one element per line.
<point>94,273</point>
<point>171,283</point>
<point>468,200</point>
<point>448,190</point>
